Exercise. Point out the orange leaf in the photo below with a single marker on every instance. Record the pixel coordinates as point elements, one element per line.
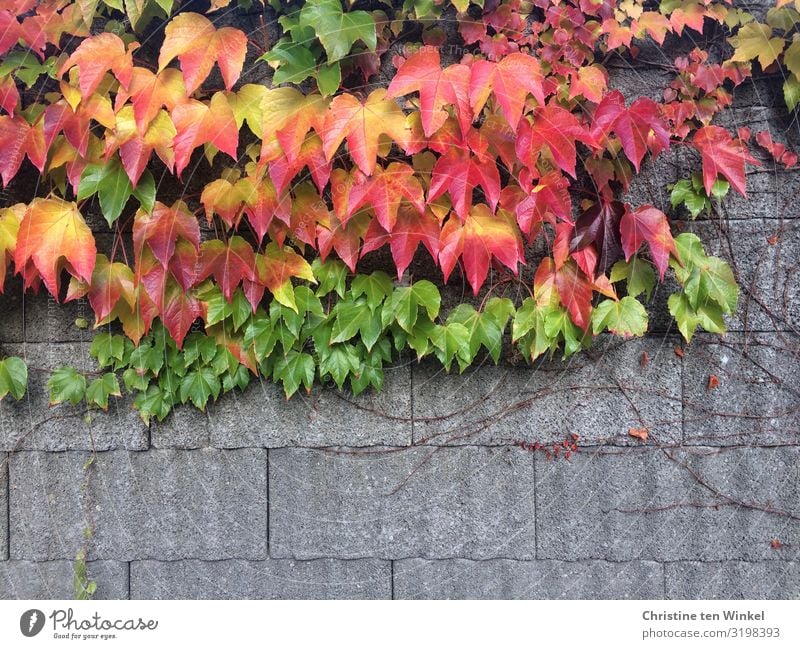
<point>362,125</point>
<point>54,236</point>
<point>288,115</point>
<point>198,44</point>
<point>150,92</point>
<point>97,55</point>
<point>197,123</point>
<point>713,382</point>
<point>639,433</point>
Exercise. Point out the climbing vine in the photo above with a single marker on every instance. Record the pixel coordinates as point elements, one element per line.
<point>314,163</point>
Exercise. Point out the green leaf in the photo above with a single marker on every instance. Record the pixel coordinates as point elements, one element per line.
<point>376,287</point>
<point>331,275</point>
<point>101,389</point>
<point>337,30</point>
<point>107,348</point>
<point>198,345</point>
<point>198,385</point>
<point>483,329</point>
<point>292,370</point>
<point>66,384</point>
<point>113,187</point>
<point>339,361</point>
<point>293,62</point>
<point>13,377</point>
<point>625,317</point>
<point>717,282</point>
<point>452,340</point>
<point>638,273</point>
<point>791,91</point>
<point>404,303</point>
<point>155,402</point>
<point>145,191</point>
<point>329,78</point>
<point>367,376</point>
<point>684,314</point>
<point>260,333</point>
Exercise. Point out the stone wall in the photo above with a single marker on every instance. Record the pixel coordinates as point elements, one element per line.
<point>423,490</point>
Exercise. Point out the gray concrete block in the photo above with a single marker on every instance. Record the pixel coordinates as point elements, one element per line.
<point>270,579</point>
<point>32,317</point>
<point>639,504</point>
<point>3,506</point>
<point>39,317</point>
<point>598,395</point>
<point>757,400</point>
<point>763,256</point>
<point>506,579</point>
<point>733,580</point>
<point>55,579</point>
<point>159,504</point>
<point>467,502</point>
<point>33,423</point>
<point>261,416</point>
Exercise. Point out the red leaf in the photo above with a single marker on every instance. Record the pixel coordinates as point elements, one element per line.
<point>180,311</point>
<point>510,81</point>
<point>639,128</point>
<point>437,87</point>
<point>552,127</point>
<point>458,173</point>
<point>161,229</point>
<point>411,229</point>
<point>18,139</point>
<point>385,191</point>
<point>110,283</point>
<point>639,433</point>
<point>574,288</point>
<point>311,156</point>
<point>724,155</point>
<point>150,92</point>
<point>482,237</point>
<point>648,224</point>
<point>229,264</point>
<point>547,201</point>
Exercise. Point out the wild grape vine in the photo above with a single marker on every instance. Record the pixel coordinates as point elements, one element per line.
<point>519,140</point>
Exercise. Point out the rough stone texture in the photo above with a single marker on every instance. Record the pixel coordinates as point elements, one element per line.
<point>196,523</point>
<point>203,504</point>
<point>639,504</point>
<point>506,579</point>
<point>270,579</point>
<point>453,502</point>
<point>598,395</point>
<point>54,579</point>
<point>732,580</point>
<point>763,255</point>
<point>758,397</point>
<point>261,416</point>
<point>33,424</point>
<point>3,506</point>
